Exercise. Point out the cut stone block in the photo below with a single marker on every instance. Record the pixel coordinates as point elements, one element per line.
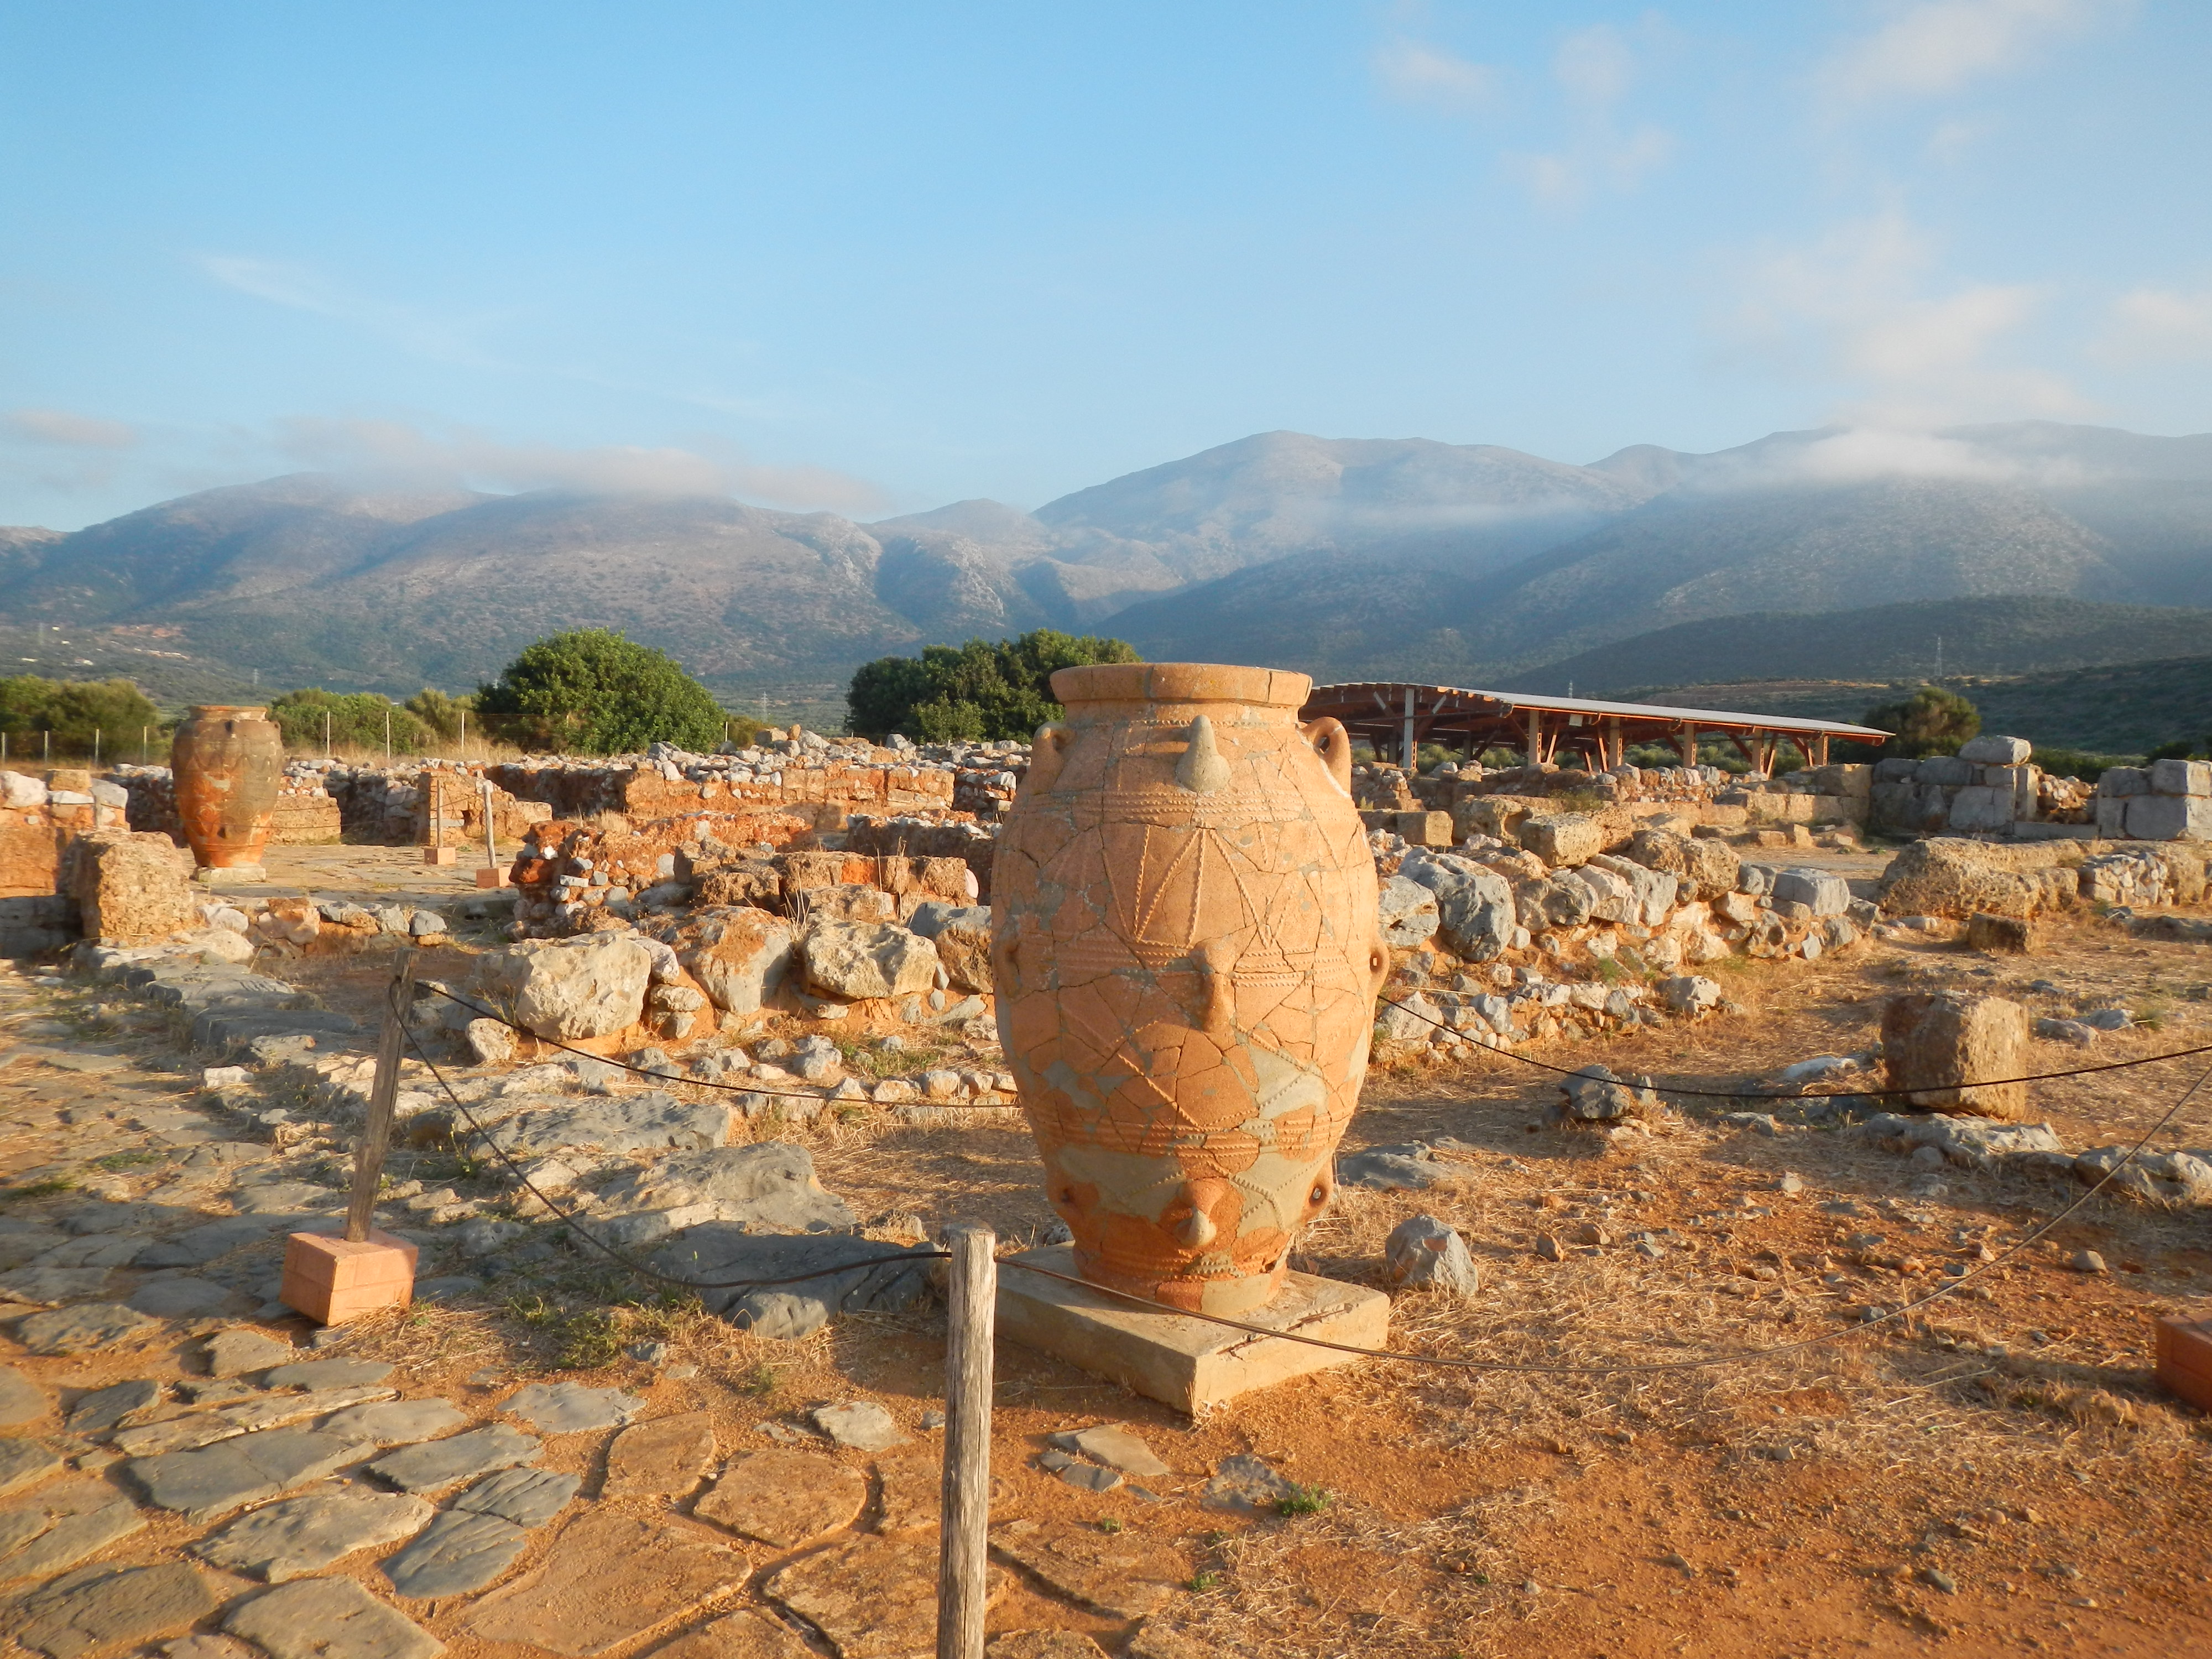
<point>1934,1041</point>
<point>786,1496</point>
<point>459,1553</point>
<point>608,1579</point>
<point>663,1458</point>
<point>440,1463</point>
<point>1182,1362</point>
<point>332,1280</point>
<point>304,1535</point>
<point>330,1619</point>
<point>874,1598</point>
<point>101,1607</point>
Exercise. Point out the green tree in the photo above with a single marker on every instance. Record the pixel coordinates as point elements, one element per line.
<point>980,691</point>
<point>591,691</point>
<point>357,720</point>
<point>72,711</point>
<point>440,713</point>
<point>1931,721</point>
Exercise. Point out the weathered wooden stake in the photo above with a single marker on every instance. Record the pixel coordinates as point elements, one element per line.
<point>384,1094</point>
<point>972,1304</point>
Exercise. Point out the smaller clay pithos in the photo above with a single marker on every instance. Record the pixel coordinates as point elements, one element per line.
<point>229,763</point>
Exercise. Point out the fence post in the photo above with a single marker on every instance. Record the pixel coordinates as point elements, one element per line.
<point>962,1559</point>
<point>383,1095</point>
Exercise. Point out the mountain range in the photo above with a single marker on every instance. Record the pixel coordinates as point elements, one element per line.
<point>1348,558</point>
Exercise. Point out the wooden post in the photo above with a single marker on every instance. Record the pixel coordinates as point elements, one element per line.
<point>971,1305</point>
<point>376,1134</point>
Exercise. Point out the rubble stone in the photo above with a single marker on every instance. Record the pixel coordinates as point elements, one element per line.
<point>860,960</point>
<point>1423,1253</point>
<point>589,987</point>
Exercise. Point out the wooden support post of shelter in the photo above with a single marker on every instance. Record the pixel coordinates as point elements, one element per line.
<point>963,1539</point>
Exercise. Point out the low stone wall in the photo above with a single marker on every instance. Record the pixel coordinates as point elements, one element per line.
<point>1956,877</point>
<point>40,815</point>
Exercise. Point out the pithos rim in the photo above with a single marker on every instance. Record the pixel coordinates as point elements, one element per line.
<point>1181,682</point>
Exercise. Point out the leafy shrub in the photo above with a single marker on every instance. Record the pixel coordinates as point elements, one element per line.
<point>1931,721</point>
<point>440,713</point>
<point>591,691</point>
<point>977,692</point>
<point>357,720</point>
<point>72,710</point>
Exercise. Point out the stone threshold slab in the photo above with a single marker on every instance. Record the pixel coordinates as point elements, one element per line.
<point>1182,1362</point>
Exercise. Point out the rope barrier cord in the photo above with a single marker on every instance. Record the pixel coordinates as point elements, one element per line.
<point>1441,1362</point>
<point>690,1082</point>
<point>1840,1094</point>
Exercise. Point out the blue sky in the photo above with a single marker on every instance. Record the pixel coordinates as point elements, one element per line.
<point>873,257</point>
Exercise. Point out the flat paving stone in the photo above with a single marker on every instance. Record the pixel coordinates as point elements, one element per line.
<point>112,1407</point>
<point>438,1463</point>
<point>785,1497</point>
<point>185,1298</point>
<point>1117,1448</point>
<point>205,1646</point>
<point>62,1525</point>
<point>85,1329</point>
<point>862,1424</point>
<point>397,1422</point>
<point>529,1498</point>
<point>328,1619</point>
<point>1121,1575</point>
<point>277,1411</point>
<point>208,1484</point>
<point>198,1245</point>
<point>914,1491</point>
<point>25,1463</point>
<point>171,1434</point>
<point>610,1577</point>
<point>304,1535</point>
<point>662,1458</point>
<point>318,1374</point>
<point>571,1407</point>
<point>238,1353</point>
<point>746,1634</point>
<point>874,1598</point>
<point>103,1607</point>
<point>459,1552</point>
<point>22,1400</point>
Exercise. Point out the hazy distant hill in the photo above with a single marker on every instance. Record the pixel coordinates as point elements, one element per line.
<point>1345,557</point>
<point>1922,638</point>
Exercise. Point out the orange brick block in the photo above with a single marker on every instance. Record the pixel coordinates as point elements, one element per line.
<point>494,876</point>
<point>2185,1360</point>
<point>334,1280</point>
<point>439,854</point>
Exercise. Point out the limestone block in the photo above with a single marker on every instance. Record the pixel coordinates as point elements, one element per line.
<point>1978,807</point>
<point>2181,777</point>
<point>1897,769</point>
<point>1948,771</point>
<point>1988,750</point>
<point>2170,818</point>
<point>1934,1041</point>
<point>739,957</point>
<point>1819,891</point>
<point>861,960</point>
<point>1408,912</point>
<point>2015,935</point>
<point>2125,780</point>
<point>19,790</point>
<point>1562,839</point>
<point>1475,911</point>
<point>592,985</point>
<point>2111,818</point>
<point>130,889</point>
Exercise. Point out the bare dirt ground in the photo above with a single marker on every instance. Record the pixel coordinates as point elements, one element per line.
<point>1996,1473</point>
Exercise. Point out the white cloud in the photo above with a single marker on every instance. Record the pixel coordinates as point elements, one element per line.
<point>60,427</point>
<point>1423,74</point>
<point>1856,306</point>
<point>2159,324</point>
<point>298,287</point>
<point>1595,68</point>
<point>1928,47</point>
<point>479,458</point>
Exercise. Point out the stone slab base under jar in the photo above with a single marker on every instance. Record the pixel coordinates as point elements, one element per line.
<point>1186,1363</point>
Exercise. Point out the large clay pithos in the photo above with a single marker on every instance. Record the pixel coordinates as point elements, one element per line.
<point>229,763</point>
<point>1186,957</point>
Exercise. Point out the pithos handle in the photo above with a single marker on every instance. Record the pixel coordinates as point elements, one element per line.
<point>1046,754</point>
<point>1333,744</point>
